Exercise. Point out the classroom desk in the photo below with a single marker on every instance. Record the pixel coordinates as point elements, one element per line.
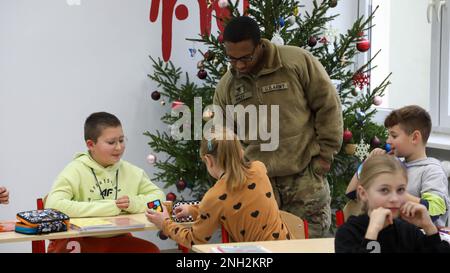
<point>324,245</point>
<point>13,237</point>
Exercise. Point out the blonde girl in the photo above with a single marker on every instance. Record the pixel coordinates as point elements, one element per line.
<point>241,200</point>
<point>389,222</point>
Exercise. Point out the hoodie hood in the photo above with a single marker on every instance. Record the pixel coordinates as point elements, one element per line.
<point>423,162</point>
<point>87,160</point>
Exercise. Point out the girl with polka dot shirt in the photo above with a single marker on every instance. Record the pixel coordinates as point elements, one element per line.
<point>241,200</point>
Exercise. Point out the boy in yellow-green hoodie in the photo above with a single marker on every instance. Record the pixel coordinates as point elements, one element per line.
<point>99,183</point>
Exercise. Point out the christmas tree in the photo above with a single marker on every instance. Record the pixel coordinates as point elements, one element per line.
<point>282,22</point>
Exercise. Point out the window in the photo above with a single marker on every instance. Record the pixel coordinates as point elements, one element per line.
<point>417,53</point>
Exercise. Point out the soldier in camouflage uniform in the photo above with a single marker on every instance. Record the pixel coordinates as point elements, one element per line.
<point>310,117</point>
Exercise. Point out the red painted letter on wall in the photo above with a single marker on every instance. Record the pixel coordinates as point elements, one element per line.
<point>182,13</point>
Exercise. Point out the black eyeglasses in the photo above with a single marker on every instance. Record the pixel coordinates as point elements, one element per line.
<point>244,59</point>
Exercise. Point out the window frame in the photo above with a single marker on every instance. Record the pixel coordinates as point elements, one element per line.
<point>439,65</point>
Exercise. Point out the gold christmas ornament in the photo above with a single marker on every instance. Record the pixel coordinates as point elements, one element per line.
<point>350,149</point>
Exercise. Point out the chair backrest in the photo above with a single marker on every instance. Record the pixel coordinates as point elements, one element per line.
<point>296,226</point>
<point>353,207</point>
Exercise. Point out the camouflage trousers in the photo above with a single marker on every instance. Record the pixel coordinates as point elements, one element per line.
<point>307,195</point>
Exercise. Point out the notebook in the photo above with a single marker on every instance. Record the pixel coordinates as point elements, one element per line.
<point>7,225</point>
<point>240,249</point>
<point>104,224</point>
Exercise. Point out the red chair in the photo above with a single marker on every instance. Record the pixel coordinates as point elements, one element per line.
<point>38,246</point>
<point>339,218</point>
<point>297,227</point>
<point>225,238</point>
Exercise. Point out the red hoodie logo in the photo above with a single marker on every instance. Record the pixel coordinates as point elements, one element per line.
<point>170,7</point>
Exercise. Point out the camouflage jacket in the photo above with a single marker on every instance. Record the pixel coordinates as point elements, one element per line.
<point>310,115</point>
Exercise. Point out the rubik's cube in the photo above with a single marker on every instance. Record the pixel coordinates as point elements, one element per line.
<point>155,205</point>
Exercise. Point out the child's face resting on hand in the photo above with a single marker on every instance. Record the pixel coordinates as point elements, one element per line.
<point>387,191</point>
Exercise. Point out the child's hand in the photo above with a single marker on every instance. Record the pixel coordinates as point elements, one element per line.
<point>123,202</point>
<point>417,214</point>
<point>4,195</point>
<point>379,219</point>
<point>157,218</point>
<point>377,151</point>
<point>182,211</point>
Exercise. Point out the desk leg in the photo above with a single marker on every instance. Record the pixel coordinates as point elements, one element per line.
<point>38,246</point>
<point>183,249</point>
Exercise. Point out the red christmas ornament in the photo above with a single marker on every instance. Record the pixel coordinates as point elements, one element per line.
<point>333,3</point>
<point>177,104</point>
<point>202,74</point>
<point>363,45</point>
<point>156,95</point>
<point>181,184</point>
<point>347,135</point>
<point>312,41</point>
<point>171,196</point>
<point>209,55</point>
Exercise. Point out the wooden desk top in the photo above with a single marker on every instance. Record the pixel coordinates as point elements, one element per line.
<point>12,237</point>
<point>324,245</point>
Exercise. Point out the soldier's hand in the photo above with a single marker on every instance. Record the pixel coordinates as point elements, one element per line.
<point>326,166</point>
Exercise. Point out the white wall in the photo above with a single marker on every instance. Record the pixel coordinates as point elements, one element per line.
<point>58,64</point>
<point>404,36</point>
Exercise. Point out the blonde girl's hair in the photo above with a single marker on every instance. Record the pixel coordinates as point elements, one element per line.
<point>226,149</point>
<point>377,165</point>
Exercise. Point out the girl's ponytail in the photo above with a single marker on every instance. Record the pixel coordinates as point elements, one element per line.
<point>227,151</point>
